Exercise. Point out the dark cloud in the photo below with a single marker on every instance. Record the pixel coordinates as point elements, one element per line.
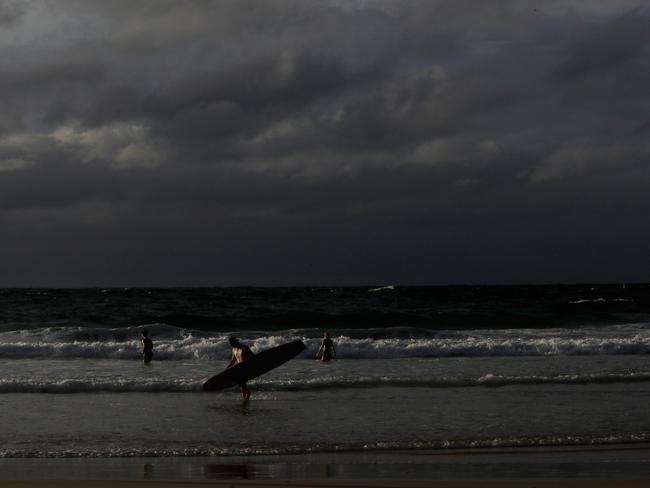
<point>322,142</point>
<point>605,48</point>
<point>10,13</point>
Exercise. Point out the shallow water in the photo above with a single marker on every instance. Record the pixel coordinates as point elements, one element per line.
<point>124,408</point>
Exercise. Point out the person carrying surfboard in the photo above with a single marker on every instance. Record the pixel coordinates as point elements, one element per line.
<point>240,353</point>
<point>327,350</point>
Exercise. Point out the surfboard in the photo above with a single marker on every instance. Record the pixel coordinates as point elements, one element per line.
<point>259,364</point>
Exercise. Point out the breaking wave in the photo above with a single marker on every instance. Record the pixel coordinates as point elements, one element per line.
<point>173,343</point>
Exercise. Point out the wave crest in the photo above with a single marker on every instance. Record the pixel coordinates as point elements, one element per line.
<point>172,343</point>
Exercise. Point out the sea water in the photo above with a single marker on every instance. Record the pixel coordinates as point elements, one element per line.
<point>417,370</point>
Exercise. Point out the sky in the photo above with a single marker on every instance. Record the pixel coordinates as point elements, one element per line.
<point>328,142</point>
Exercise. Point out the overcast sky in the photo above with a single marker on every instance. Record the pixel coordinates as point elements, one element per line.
<point>329,142</point>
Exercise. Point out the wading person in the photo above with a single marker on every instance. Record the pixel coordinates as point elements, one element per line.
<point>327,350</point>
<point>147,347</point>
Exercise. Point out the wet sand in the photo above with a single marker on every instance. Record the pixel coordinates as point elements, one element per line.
<point>532,483</point>
<point>582,467</point>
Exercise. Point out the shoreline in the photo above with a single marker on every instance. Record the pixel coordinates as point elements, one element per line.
<point>470,483</point>
<point>387,452</point>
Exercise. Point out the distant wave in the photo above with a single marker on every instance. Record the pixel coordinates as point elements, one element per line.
<point>338,308</point>
<point>383,288</point>
<point>172,343</point>
<point>600,300</point>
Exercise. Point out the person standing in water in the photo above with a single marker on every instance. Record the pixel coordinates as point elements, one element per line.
<point>147,347</point>
<point>240,353</point>
<point>327,350</point>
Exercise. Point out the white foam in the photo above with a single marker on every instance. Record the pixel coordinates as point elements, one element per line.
<point>135,451</point>
<point>383,288</point>
<point>172,343</point>
<point>149,385</point>
<point>600,300</point>
<point>85,385</point>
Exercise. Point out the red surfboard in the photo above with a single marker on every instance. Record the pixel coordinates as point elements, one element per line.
<point>259,364</point>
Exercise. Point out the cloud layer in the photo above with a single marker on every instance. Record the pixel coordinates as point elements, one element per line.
<point>323,142</point>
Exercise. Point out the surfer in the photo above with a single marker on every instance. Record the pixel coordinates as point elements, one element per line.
<point>240,353</point>
<point>147,347</point>
<point>327,350</point>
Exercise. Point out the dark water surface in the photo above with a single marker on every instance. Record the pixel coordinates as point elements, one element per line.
<point>418,370</point>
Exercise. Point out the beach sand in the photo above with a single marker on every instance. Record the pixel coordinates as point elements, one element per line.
<point>532,483</point>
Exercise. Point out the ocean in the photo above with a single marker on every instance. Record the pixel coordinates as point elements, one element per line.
<point>420,371</point>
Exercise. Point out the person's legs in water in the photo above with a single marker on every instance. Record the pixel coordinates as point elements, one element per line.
<point>245,392</point>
